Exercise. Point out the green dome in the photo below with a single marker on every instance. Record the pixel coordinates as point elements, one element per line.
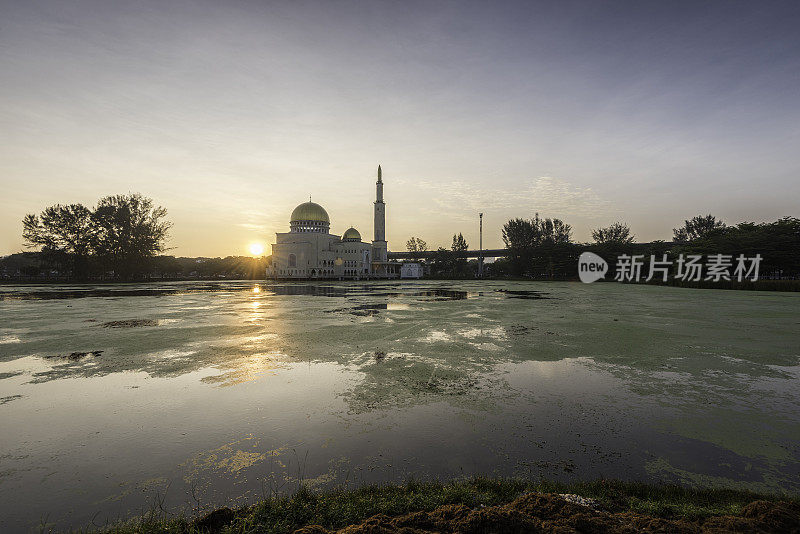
<point>310,211</point>
<point>353,234</point>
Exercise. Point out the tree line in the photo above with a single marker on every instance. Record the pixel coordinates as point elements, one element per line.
<point>543,248</point>
<point>32,266</point>
<point>124,238</point>
<point>118,238</point>
<point>445,263</point>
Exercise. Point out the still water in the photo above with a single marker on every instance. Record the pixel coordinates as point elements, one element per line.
<point>115,399</point>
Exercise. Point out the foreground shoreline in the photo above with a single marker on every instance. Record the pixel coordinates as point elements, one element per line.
<point>492,505</point>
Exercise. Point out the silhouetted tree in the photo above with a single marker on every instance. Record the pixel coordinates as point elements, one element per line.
<point>442,262</point>
<point>616,233</point>
<point>130,230</point>
<point>553,252</point>
<point>697,227</point>
<point>537,246</point>
<point>459,243</point>
<point>520,239</point>
<point>460,266</point>
<point>64,234</point>
<point>552,231</point>
<point>122,233</point>
<point>416,244</point>
<point>777,242</point>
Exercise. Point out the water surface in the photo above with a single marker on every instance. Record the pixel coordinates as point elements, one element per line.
<point>116,398</point>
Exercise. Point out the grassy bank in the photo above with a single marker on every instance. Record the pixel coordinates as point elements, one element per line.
<point>340,508</point>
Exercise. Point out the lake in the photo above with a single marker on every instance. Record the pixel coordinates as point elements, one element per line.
<point>190,395</point>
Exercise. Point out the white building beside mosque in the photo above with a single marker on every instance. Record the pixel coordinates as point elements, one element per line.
<point>309,250</point>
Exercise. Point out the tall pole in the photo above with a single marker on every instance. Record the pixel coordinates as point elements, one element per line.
<point>480,246</point>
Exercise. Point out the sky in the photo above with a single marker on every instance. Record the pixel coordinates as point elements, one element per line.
<point>229,114</point>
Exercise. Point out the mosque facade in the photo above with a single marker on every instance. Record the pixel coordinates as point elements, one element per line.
<point>309,250</point>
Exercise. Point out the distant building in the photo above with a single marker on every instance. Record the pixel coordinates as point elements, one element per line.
<point>308,250</point>
<point>411,270</point>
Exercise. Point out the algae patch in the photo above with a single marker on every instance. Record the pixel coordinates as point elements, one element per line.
<point>130,323</point>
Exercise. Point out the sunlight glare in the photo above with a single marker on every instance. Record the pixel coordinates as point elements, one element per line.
<point>256,249</point>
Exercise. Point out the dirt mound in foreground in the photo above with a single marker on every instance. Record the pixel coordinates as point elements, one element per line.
<point>535,512</point>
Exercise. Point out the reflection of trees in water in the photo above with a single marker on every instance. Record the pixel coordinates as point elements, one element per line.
<point>148,290</point>
<point>176,288</point>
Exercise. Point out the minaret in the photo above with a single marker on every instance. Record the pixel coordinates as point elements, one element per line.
<point>379,242</point>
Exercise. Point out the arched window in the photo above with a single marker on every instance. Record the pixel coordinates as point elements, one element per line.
<point>292,260</point>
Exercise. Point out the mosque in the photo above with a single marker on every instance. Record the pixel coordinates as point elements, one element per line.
<point>309,250</point>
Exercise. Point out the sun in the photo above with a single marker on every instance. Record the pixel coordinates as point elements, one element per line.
<point>256,249</point>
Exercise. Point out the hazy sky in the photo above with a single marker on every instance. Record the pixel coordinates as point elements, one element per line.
<point>229,114</point>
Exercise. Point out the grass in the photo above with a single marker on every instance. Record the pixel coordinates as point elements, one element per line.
<point>339,508</point>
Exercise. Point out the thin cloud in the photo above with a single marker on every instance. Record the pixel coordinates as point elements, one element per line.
<point>545,194</point>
